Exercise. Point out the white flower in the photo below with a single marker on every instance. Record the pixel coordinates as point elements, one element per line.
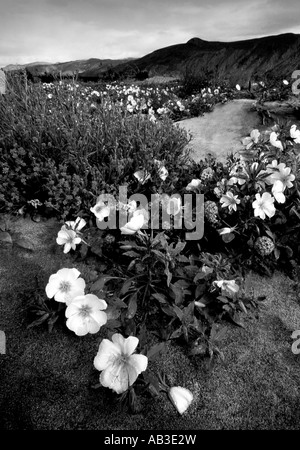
<point>285,82</point>
<point>228,286</point>
<point>101,210</point>
<point>76,225</point>
<point>295,134</point>
<point>49,96</point>
<point>142,176</point>
<point>226,230</point>
<point>118,365</point>
<point>85,314</point>
<point>181,398</point>
<point>65,285</point>
<point>130,108</point>
<point>136,222</point>
<point>68,238</point>
<point>277,191</point>
<point>252,139</point>
<point>194,184</point>
<point>238,87</point>
<point>131,207</point>
<point>230,201</point>
<point>284,175</point>
<point>174,206</point>
<point>263,205</point>
<point>206,269</point>
<point>162,171</point>
<point>274,141</point>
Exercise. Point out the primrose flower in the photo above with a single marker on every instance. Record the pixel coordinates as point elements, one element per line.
<point>181,398</point>
<point>230,201</point>
<point>173,206</point>
<point>76,225</point>
<point>295,134</point>
<point>162,171</point>
<point>277,191</point>
<point>118,364</point>
<point>284,175</point>
<point>227,286</point>
<point>252,139</point>
<point>142,176</point>
<point>274,141</point>
<point>85,314</point>
<point>68,238</point>
<point>194,184</point>
<point>130,108</point>
<point>136,222</point>
<point>226,230</point>
<point>263,205</point>
<point>65,285</point>
<point>101,210</point>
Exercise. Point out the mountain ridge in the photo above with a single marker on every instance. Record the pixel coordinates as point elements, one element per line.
<point>240,61</point>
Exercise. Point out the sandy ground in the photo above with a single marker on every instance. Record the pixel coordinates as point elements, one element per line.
<point>45,379</point>
<point>220,132</point>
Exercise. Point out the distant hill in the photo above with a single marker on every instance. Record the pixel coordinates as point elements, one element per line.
<point>87,68</point>
<point>239,61</point>
<point>11,67</point>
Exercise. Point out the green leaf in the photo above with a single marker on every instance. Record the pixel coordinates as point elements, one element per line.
<point>131,254</point>
<point>200,289</point>
<point>199,349</point>
<point>228,237</point>
<point>178,312</point>
<point>83,250</point>
<point>168,310</point>
<point>160,297</point>
<point>39,321</point>
<point>126,286</point>
<point>155,350</point>
<point>99,284</point>
<point>222,299</point>
<point>200,276</point>
<point>5,237</point>
<point>182,259</point>
<point>235,317</point>
<point>177,333</point>
<point>25,244</point>
<point>132,306</point>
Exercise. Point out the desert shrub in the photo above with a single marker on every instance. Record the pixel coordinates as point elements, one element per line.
<point>56,148</point>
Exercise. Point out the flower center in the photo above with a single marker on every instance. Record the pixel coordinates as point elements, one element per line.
<point>65,286</point>
<point>85,310</point>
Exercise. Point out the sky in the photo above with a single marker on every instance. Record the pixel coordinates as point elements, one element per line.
<point>65,30</point>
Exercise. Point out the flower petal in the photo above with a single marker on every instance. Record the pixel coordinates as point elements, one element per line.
<point>107,353</point>
<point>139,362</point>
<point>115,377</point>
<point>77,324</point>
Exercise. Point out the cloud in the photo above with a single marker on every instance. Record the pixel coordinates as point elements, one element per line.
<point>61,30</point>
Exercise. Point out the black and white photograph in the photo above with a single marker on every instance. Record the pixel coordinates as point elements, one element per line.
<point>149,218</point>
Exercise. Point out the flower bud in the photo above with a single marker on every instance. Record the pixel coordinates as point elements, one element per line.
<point>181,398</point>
